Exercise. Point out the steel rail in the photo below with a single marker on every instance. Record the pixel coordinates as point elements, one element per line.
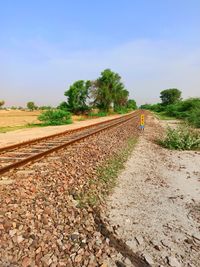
<point>36,140</point>
<point>76,139</point>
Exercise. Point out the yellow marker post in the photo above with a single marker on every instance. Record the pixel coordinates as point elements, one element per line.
<point>142,122</point>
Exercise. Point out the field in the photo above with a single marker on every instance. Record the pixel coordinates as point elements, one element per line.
<point>11,120</point>
<point>17,119</point>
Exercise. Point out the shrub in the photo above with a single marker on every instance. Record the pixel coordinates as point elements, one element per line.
<point>146,106</point>
<point>55,117</point>
<point>194,117</point>
<point>154,107</point>
<point>188,109</point>
<point>182,138</point>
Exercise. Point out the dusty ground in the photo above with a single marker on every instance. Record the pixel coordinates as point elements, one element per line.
<point>17,117</point>
<point>155,208</point>
<point>13,118</point>
<point>31,133</point>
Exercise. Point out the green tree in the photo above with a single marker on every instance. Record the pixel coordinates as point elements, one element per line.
<point>63,105</point>
<point>77,96</point>
<point>108,91</point>
<point>146,106</point>
<point>2,102</point>
<point>131,104</point>
<point>120,97</point>
<point>31,105</point>
<point>170,96</point>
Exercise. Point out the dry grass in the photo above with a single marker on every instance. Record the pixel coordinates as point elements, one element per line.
<point>13,118</point>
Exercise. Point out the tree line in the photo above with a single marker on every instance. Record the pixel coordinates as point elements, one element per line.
<point>173,105</point>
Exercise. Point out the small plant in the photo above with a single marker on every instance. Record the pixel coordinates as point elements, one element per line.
<point>81,119</point>
<point>106,177</point>
<point>194,117</point>
<point>99,114</point>
<point>55,117</point>
<point>123,110</point>
<point>182,138</point>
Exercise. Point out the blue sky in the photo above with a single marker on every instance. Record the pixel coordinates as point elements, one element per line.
<point>46,45</point>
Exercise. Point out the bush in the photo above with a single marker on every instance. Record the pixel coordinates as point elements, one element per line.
<point>55,117</point>
<point>146,106</point>
<point>182,138</point>
<point>154,107</point>
<point>188,110</point>
<point>194,117</point>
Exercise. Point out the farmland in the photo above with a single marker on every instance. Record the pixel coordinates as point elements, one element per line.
<point>17,119</point>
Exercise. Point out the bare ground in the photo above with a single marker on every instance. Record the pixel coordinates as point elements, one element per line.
<point>13,118</point>
<point>155,208</point>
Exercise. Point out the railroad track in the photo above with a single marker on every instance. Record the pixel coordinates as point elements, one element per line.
<point>14,156</point>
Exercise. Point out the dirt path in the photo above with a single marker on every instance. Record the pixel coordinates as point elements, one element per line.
<point>155,208</point>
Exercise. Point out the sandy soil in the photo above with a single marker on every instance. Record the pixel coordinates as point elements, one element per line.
<point>155,208</point>
<point>31,133</point>
<point>17,117</point>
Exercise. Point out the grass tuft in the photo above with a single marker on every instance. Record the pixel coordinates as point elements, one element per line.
<point>106,178</point>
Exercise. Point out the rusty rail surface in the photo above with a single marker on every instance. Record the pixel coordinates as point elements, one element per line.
<point>35,140</point>
<point>47,141</point>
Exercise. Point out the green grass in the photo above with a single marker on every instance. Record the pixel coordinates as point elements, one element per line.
<point>29,126</point>
<point>99,114</point>
<point>106,178</point>
<point>82,119</point>
<point>163,116</point>
<point>14,128</point>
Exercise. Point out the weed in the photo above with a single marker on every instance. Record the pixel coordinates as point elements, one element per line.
<point>182,138</point>
<point>81,119</point>
<point>99,114</point>
<point>106,177</point>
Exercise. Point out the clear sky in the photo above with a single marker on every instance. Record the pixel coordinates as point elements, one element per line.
<point>45,45</point>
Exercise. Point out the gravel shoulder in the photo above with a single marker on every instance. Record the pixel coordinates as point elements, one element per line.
<point>22,135</point>
<point>155,207</point>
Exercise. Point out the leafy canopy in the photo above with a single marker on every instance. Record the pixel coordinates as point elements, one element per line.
<point>131,104</point>
<point>77,96</point>
<point>31,105</point>
<point>2,102</point>
<point>170,96</point>
<point>108,91</point>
